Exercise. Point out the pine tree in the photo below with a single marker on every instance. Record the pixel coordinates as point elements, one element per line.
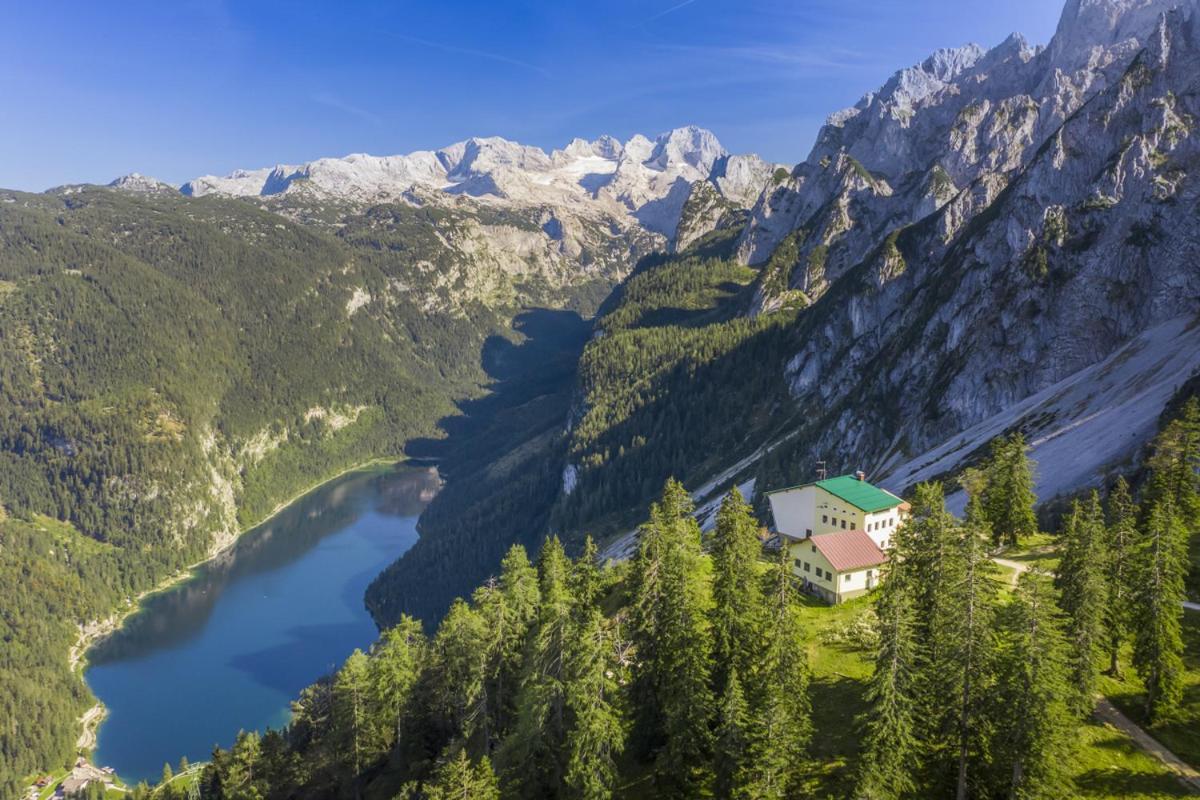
<point>459,779</point>
<point>392,672</point>
<point>733,741</point>
<point>737,593</point>
<point>889,743</point>
<point>458,669</point>
<point>509,608</point>
<point>780,703</point>
<point>1174,464</point>
<point>534,754</point>
<point>673,693</point>
<point>1036,728</point>
<point>351,694</point>
<point>1081,580</point>
<point>587,582</point>
<point>1121,535</point>
<point>595,736</point>
<point>1157,609</point>
<point>927,545</point>
<point>970,643</point>
<point>1008,498</point>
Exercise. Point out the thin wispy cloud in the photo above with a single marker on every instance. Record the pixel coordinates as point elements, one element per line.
<point>670,10</point>
<point>468,51</point>
<point>333,101</point>
<point>797,57</point>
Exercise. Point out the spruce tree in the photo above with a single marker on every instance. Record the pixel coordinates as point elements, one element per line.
<point>392,672</point>
<point>673,692</point>
<point>970,644</point>
<point>1035,725</point>
<point>587,580</point>
<point>509,608</point>
<point>737,593</point>
<point>1157,610</point>
<point>595,735</point>
<point>1008,498</point>
<point>780,703</point>
<point>1081,580</point>
<point>351,698</point>
<point>927,545</point>
<point>890,748</point>
<point>457,778</point>
<point>457,696</point>
<point>1121,535</point>
<point>1174,464</point>
<point>733,741</point>
<point>534,755</point>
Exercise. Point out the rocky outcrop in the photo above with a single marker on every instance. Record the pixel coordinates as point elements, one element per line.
<point>995,223</point>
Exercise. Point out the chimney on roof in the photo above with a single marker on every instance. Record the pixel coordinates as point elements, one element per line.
<point>862,476</point>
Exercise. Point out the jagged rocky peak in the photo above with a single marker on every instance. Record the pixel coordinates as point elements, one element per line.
<point>1090,25</point>
<point>694,146</point>
<point>141,184</point>
<point>644,182</point>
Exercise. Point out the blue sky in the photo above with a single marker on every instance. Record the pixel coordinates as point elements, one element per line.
<point>178,88</point>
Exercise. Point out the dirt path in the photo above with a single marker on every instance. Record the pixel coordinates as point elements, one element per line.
<point>1107,712</point>
<point>89,722</point>
<point>1191,606</point>
<point>1017,566</point>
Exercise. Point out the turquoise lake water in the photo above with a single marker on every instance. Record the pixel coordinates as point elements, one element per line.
<point>229,648</point>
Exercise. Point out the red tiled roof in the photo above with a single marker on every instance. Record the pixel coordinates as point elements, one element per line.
<point>849,550</point>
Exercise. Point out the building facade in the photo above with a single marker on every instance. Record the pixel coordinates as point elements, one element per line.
<point>837,532</point>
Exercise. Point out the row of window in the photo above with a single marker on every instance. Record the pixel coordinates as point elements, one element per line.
<point>825,521</point>
<point>821,573</point>
<point>890,522</point>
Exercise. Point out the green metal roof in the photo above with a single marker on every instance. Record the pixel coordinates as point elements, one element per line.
<point>860,494</point>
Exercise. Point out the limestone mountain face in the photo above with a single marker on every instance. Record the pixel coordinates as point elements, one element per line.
<point>514,224</point>
<point>986,226</point>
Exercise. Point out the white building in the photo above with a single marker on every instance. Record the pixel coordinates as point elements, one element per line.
<point>837,531</point>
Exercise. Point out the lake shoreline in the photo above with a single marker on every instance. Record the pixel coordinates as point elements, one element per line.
<point>94,632</point>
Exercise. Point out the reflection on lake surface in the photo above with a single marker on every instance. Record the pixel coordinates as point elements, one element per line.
<point>230,647</point>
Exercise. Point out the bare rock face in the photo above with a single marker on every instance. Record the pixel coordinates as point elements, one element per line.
<point>992,225</point>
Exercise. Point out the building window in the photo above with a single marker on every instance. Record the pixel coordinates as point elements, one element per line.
<point>806,567</point>
<point>808,532</point>
<point>843,524</point>
<point>814,547</point>
<point>798,563</point>
<point>825,519</point>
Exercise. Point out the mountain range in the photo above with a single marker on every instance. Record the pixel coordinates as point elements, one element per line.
<point>995,240</point>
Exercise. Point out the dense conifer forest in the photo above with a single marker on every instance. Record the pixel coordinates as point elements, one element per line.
<point>695,669</point>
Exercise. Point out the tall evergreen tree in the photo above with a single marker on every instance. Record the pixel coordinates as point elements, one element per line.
<point>457,696</point>
<point>780,704</point>
<point>970,653</point>
<point>1008,498</point>
<point>733,741</point>
<point>1035,724</point>
<point>927,545</point>
<point>1121,535</point>
<point>737,593</point>
<point>1175,462</point>
<point>587,580</point>
<point>673,692</point>
<point>1157,610</point>
<point>1081,579</point>
<point>392,672</point>
<point>457,778</point>
<point>352,727</point>
<point>890,748</point>
<point>595,735</point>
<point>509,608</point>
<point>534,754</point>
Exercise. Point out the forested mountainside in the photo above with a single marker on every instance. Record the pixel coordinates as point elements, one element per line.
<point>996,240</point>
<point>694,669</point>
<point>176,364</point>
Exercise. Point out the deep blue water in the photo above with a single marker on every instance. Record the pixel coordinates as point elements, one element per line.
<point>229,648</point>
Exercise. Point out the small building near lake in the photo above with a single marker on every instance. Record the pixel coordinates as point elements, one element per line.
<point>837,531</point>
